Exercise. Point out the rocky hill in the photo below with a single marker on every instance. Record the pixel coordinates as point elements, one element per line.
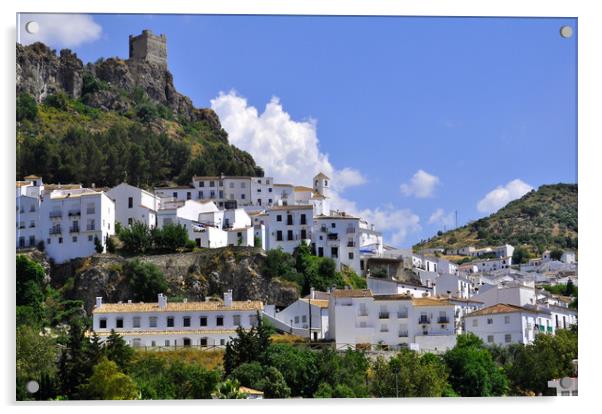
<point>123,116</point>
<point>194,276</point>
<point>542,219</point>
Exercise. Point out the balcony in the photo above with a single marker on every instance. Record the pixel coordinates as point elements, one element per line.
<point>324,229</point>
<point>333,236</point>
<point>383,315</point>
<point>402,315</point>
<point>90,227</point>
<point>32,225</point>
<point>443,319</point>
<point>74,213</point>
<point>350,244</point>
<point>384,329</point>
<point>90,211</point>
<point>423,320</point>
<point>74,229</point>
<point>363,312</point>
<point>55,214</point>
<point>55,230</point>
<point>350,230</point>
<point>403,334</point>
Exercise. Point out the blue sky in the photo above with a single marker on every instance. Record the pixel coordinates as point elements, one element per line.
<point>463,105</point>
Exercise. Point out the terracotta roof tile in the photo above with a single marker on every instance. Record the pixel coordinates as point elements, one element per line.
<point>179,307</point>
<point>352,293</point>
<point>500,308</point>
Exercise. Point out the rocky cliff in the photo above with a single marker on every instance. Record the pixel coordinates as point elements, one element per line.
<point>194,276</point>
<point>40,73</point>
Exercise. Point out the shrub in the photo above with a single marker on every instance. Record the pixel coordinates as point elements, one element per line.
<point>26,107</point>
<point>58,100</point>
<point>145,279</point>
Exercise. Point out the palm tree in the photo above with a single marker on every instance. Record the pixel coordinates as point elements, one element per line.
<point>229,390</point>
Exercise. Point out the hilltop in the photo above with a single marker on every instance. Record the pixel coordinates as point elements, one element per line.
<point>114,120</point>
<point>543,219</point>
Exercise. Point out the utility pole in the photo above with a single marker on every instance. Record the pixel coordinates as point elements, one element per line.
<point>309,304</point>
<point>456,218</point>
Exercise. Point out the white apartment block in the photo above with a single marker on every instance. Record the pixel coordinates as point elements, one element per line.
<point>371,241</point>
<point>357,318</point>
<point>504,324</point>
<point>71,220</point>
<point>287,226</point>
<point>337,236</point>
<point>134,204</point>
<point>489,265</point>
<point>505,250</point>
<point>458,286</point>
<point>163,324</point>
<point>310,312</point>
<point>517,294</point>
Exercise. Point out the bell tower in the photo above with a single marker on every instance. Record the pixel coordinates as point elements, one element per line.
<point>322,185</point>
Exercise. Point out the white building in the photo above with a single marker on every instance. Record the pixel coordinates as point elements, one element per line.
<point>458,286</point>
<point>338,236</point>
<point>287,226</point>
<point>504,324</point>
<point>380,286</point>
<point>310,312</point>
<point>358,319</point>
<point>163,324</point>
<point>505,250</point>
<point>134,204</point>
<point>568,257</point>
<point>72,220</point>
<point>489,265</point>
<point>516,294</point>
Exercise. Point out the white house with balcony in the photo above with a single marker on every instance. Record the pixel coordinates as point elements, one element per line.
<point>381,286</point>
<point>503,324</point>
<point>182,324</point>
<point>71,220</point>
<point>358,318</point>
<point>134,204</point>
<point>489,265</point>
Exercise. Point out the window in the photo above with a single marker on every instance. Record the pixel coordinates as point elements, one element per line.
<point>203,321</point>
<point>303,234</point>
<point>242,196</point>
<point>231,184</point>
<point>74,239</point>
<point>175,195</point>
<point>289,235</point>
<point>136,322</point>
<point>279,235</point>
<point>130,202</point>
<point>153,343</point>
<point>475,322</point>
<point>201,183</point>
<point>289,219</point>
<point>236,320</point>
<point>186,321</point>
<point>506,319</point>
<point>130,221</point>
<point>296,319</point>
<point>119,323</point>
<point>508,338</point>
<point>211,183</point>
<point>303,219</point>
<point>278,217</point>
<point>212,194</point>
<point>201,196</point>
<point>48,240</point>
<point>103,324</point>
<point>333,225</point>
<point>219,321</point>
<point>60,240</point>
<point>222,341</point>
<point>152,321</point>
<point>350,256</point>
<point>304,318</point>
<point>334,252</point>
<point>243,185</point>
<point>188,195</point>
<point>490,339</point>
<point>170,321</point>
<point>489,321</point>
<point>167,342</point>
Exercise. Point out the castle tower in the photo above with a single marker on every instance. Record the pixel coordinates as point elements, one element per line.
<point>149,47</point>
<point>321,185</point>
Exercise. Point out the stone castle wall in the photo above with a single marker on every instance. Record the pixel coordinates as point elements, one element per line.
<point>149,47</point>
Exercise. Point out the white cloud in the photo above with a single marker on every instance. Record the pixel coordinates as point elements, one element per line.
<point>60,30</point>
<point>502,195</point>
<point>285,148</point>
<point>439,216</point>
<point>421,185</point>
<point>289,151</point>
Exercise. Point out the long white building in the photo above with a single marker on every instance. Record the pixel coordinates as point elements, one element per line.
<point>168,324</point>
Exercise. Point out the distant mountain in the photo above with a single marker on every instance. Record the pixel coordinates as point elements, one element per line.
<point>114,120</point>
<point>543,219</point>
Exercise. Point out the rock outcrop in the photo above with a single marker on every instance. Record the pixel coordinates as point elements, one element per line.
<point>194,276</point>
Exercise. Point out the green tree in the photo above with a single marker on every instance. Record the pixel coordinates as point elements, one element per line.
<point>57,100</point>
<point>171,237</point>
<point>521,255</point>
<point>264,378</point>
<point>145,279</point>
<point>229,389</point>
<point>247,346</point>
<point>117,350</point>
<point>98,245</point>
<point>349,368</point>
<point>30,287</point>
<point>36,356</point>
<point>409,374</point>
<point>297,365</point>
<point>74,368</point>
<point>26,107</point>
<point>472,370</point>
<point>109,383</point>
<point>556,254</point>
<point>136,238</point>
<point>110,244</point>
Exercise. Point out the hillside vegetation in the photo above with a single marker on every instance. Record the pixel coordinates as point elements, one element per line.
<point>542,219</point>
<point>114,121</point>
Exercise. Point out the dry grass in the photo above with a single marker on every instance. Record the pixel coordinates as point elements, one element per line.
<point>209,359</point>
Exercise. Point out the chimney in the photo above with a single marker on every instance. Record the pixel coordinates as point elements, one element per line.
<point>228,298</point>
<point>129,301</point>
<point>312,293</point>
<point>162,299</point>
<point>98,302</point>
